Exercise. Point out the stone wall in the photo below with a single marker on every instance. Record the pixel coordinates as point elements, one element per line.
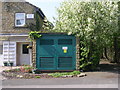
<point>7,22</point>
<point>34,54</point>
<point>0,15</point>
<point>77,53</point>
<point>8,16</point>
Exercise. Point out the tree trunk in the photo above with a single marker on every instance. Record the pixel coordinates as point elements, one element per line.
<point>105,53</point>
<point>116,50</point>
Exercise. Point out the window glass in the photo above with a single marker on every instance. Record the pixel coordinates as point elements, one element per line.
<point>25,50</point>
<point>1,49</point>
<point>20,22</point>
<point>20,19</point>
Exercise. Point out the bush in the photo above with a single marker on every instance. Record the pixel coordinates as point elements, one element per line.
<point>26,68</point>
<point>75,73</point>
<point>37,76</point>
<point>90,57</point>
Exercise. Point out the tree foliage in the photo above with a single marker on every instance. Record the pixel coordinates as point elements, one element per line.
<point>33,35</point>
<point>47,25</point>
<point>95,23</point>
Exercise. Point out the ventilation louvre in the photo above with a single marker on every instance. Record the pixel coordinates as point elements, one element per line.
<point>64,41</point>
<point>65,62</point>
<point>46,62</point>
<point>46,42</point>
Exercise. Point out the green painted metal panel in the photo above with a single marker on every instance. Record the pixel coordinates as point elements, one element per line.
<point>47,62</point>
<point>56,52</point>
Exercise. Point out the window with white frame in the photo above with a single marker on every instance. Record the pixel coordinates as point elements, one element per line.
<point>19,19</point>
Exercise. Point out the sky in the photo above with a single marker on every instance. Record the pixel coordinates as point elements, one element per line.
<point>48,7</point>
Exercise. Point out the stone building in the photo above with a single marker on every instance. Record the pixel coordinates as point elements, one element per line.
<point>55,51</point>
<point>16,20</point>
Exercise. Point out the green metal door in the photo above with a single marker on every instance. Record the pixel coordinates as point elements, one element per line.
<point>56,52</point>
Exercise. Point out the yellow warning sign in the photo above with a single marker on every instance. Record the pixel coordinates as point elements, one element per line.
<point>65,50</point>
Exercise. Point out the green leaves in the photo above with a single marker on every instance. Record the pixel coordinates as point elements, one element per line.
<point>57,74</point>
<point>95,23</point>
<point>96,20</point>
<point>33,35</point>
<point>88,19</point>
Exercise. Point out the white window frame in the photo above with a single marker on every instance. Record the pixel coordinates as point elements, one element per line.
<point>19,19</point>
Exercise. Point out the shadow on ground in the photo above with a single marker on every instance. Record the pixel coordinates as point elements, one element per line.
<point>105,66</point>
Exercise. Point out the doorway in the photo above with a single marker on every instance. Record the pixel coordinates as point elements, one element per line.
<point>23,54</point>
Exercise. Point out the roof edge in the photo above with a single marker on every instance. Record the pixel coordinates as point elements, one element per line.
<point>42,14</point>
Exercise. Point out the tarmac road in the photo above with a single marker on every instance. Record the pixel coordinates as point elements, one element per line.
<point>92,80</point>
<point>106,78</point>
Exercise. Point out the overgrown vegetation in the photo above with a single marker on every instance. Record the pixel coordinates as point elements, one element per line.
<point>39,26</point>
<point>95,23</point>
<point>26,69</point>
<point>37,76</point>
<point>57,74</point>
<point>33,35</point>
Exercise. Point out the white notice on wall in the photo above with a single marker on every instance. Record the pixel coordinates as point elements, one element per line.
<point>64,48</point>
<point>30,16</point>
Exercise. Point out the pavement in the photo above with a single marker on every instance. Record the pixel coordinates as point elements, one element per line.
<point>92,80</point>
<point>5,68</point>
<point>3,78</point>
<point>100,79</point>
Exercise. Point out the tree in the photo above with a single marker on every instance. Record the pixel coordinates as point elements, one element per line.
<point>95,23</point>
<point>117,39</point>
<point>47,25</point>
